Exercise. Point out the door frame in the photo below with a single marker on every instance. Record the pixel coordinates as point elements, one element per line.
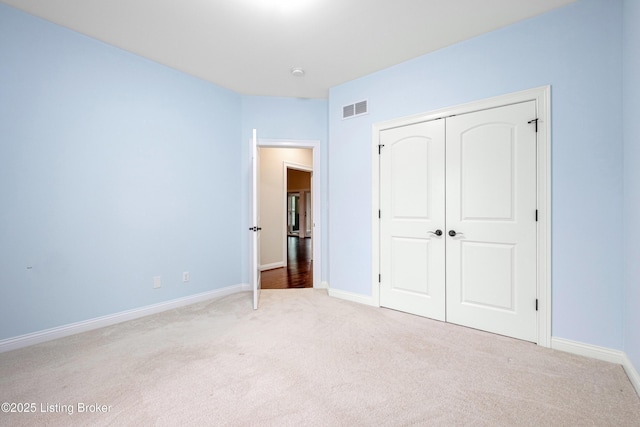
<point>254,258</point>
<point>541,96</point>
<point>314,145</point>
<point>295,166</point>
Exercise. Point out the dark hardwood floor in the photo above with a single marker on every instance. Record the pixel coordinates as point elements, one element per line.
<point>299,270</point>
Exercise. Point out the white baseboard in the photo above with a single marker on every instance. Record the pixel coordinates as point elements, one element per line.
<point>111,319</point>
<point>587,350</point>
<point>632,373</point>
<point>323,285</point>
<point>272,266</point>
<point>601,353</point>
<point>350,296</point>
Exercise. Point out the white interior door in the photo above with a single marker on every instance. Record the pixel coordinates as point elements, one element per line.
<point>491,209</point>
<point>477,186</point>
<point>255,220</point>
<point>412,219</point>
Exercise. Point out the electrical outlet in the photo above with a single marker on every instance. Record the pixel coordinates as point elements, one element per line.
<point>157,282</point>
<point>185,276</point>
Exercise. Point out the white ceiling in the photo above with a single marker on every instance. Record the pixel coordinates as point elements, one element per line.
<point>250,46</point>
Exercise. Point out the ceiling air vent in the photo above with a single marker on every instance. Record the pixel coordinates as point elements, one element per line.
<point>356,109</point>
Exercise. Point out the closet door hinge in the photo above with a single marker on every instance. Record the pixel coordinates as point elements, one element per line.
<point>379,214</point>
<point>534,121</point>
<point>380,148</point>
<point>536,304</point>
<point>536,215</point>
<point>379,278</point>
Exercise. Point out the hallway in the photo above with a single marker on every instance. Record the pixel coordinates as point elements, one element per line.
<point>299,270</point>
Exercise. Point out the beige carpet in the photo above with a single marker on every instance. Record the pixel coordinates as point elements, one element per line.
<point>307,359</point>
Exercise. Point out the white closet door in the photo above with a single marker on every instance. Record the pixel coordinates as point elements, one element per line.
<point>491,207</point>
<point>412,211</point>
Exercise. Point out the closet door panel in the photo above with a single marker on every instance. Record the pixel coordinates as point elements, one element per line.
<point>412,264</point>
<point>491,225</point>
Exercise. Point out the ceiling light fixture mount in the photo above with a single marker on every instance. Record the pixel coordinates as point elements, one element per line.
<point>297,71</point>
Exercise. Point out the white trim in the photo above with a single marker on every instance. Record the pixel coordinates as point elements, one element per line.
<point>543,103</point>
<point>601,353</point>
<point>632,373</point>
<point>470,107</point>
<point>587,350</point>
<point>316,233</point>
<point>272,266</point>
<point>353,297</point>
<point>324,285</point>
<point>112,319</point>
<point>375,215</point>
<point>542,97</point>
<point>288,143</point>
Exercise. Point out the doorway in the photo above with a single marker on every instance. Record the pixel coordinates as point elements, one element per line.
<point>289,207</point>
<point>293,214</point>
<point>299,200</point>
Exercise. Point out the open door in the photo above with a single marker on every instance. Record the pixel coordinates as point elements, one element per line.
<point>254,263</point>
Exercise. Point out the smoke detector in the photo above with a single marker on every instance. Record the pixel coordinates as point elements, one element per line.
<point>297,72</point>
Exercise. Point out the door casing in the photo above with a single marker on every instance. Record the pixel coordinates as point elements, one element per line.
<point>541,96</point>
<point>314,145</point>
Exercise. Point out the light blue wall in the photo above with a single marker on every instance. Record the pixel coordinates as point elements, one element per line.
<point>285,118</point>
<point>113,169</point>
<point>575,49</point>
<point>631,105</point>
